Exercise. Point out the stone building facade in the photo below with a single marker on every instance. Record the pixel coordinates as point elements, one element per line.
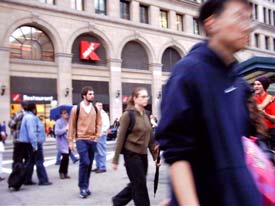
<point>139,40</point>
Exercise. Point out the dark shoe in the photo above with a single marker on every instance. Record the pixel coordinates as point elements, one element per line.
<point>100,171</point>
<point>88,192</point>
<point>75,161</point>
<point>30,183</point>
<point>61,176</point>
<point>45,183</point>
<point>2,178</point>
<point>57,163</point>
<point>94,170</point>
<point>67,177</point>
<point>83,194</point>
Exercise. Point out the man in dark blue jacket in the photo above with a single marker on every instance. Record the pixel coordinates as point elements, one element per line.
<point>201,133</point>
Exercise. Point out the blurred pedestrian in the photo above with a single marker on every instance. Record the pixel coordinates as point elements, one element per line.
<point>15,122</point>
<point>84,128</point>
<point>100,153</point>
<point>61,129</point>
<point>134,147</point>
<point>266,105</point>
<point>31,138</point>
<point>2,150</point>
<point>204,114</point>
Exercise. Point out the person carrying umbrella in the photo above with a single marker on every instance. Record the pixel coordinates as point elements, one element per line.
<point>134,146</point>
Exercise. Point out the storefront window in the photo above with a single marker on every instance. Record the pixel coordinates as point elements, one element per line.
<point>28,42</point>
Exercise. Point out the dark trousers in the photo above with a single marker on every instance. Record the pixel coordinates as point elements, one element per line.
<point>23,152</point>
<point>64,164</point>
<point>136,167</point>
<point>86,150</point>
<point>39,162</point>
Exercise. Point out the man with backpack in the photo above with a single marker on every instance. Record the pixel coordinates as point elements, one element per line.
<point>84,128</point>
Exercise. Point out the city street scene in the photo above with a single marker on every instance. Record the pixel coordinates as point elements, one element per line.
<point>137,102</point>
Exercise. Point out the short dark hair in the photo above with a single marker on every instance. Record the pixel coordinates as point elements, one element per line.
<point>31,106</point>
<point>85,90</point>
<point>211,7</point>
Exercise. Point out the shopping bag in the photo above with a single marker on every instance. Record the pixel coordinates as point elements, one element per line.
<point>261,168</point>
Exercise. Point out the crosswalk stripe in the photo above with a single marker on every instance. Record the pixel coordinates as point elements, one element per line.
<point>48,162</point>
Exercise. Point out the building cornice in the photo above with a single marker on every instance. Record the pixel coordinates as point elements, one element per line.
<point>106,19</point>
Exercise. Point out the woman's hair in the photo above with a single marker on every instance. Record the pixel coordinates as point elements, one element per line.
<point>135,93</point>
<point>256,119</point>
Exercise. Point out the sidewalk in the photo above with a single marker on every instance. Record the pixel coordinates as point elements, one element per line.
<point>65,192</point>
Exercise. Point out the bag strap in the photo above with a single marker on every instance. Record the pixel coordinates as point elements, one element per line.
<point>131,125</point>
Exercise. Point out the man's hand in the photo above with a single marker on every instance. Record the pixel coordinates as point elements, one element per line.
<point>114,166</point>
<point>71,147</point>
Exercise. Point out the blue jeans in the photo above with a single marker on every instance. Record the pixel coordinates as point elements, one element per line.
<point>86,150</point>
<point>39,162</point>
<point>100,153</point>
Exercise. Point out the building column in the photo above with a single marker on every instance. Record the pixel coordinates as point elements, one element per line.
<point>172,20</point>
<point>113,8</point>
<point>5,94</point>
<point>156,70</point>
<point>154,15</point>
<point>115,89</point>
<point>134,11</point>
<point>64,78</point>
<point>260,13</point>
<point>188,24</point>
<point>89,6</point>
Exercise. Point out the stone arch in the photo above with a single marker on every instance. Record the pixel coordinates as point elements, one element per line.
<point>94,31</point>
<point>40,24</point>
<point>141,40</point>
<point>175,45</point>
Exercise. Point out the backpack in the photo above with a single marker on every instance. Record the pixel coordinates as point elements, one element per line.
<point>132,122</point>
<point>77,115</point>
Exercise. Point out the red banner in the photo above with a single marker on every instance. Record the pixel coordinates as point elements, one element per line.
<point>87,50</point>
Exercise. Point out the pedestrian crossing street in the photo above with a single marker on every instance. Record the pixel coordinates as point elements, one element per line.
<point>49,161</point>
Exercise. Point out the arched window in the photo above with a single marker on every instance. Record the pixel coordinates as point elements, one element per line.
<point>134,56</point>
<point>169,58</point>
<point>28,42</point>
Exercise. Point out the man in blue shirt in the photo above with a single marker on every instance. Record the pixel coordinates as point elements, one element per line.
<point>201,133</point>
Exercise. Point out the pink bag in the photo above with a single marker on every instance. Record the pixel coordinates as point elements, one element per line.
<point>262,170</point>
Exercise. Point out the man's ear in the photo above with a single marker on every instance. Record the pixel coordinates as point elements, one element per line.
<point>209,25</point>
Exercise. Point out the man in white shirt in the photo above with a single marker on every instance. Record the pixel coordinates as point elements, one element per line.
<point>100,154</point>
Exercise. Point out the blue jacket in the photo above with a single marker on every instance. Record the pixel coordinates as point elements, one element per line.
<point>204,115</point>
<point>29,130</point>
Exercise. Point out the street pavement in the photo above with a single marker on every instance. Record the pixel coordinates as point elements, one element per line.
<point>65,192</point>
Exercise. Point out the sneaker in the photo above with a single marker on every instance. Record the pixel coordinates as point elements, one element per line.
<point>88,192</point>
<point>100,171</point>
<point>83,194</point>
<point>45,183</point>
<point>94,170</point>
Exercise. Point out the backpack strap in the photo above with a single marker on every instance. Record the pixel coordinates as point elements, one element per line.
<point>131,125</point>
<point>76,118</point>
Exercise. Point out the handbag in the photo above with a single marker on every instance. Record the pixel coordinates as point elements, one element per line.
<point>262,170</point>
